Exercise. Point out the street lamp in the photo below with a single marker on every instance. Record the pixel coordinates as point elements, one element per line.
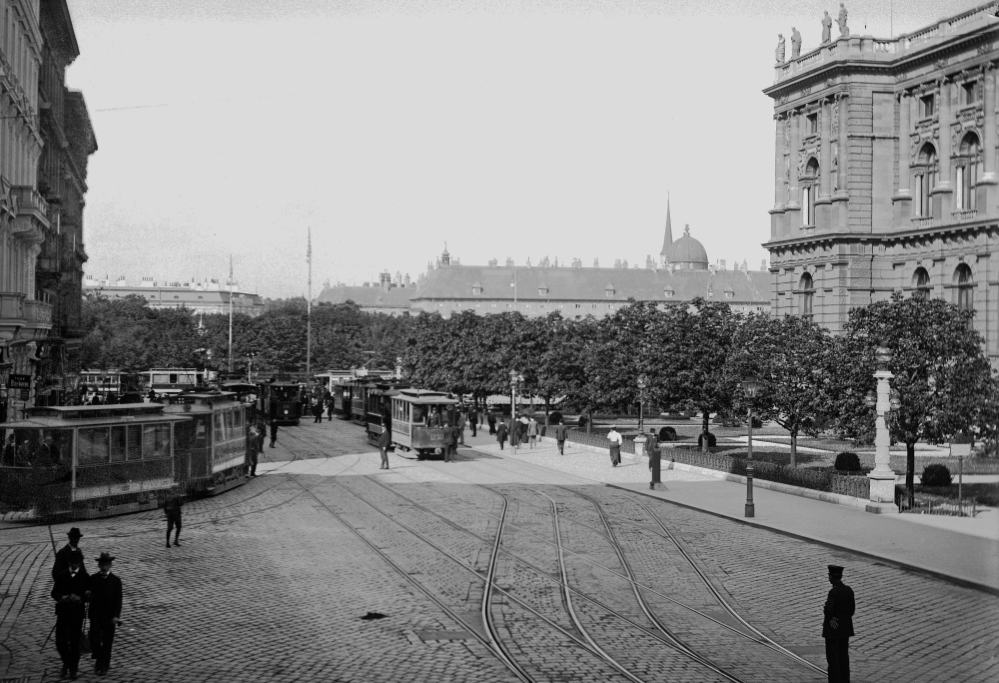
<point>642,383</point>
<point>249,367</point>
<point>750,387</point>
<point>515,378</point>
<point>882,478</point>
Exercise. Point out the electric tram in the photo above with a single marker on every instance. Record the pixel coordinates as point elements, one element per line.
<point>378,409</point>
<point>418,417</point>
<point>280,401</point>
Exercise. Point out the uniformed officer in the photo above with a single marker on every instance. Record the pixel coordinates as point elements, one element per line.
<point>655,457</point>
<point>837,626</point>
<point>62,557</point>
<point>70,594</point>
<point>384,441</point>
<point>105,612</point>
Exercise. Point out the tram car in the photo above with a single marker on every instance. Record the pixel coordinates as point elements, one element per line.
<point>417,419</point>
<point>212,445</point>
<point>359,400</point>
<point>378,410</point>
<point>280,401</point>
<point>341,400</point>
<point>169,381</point>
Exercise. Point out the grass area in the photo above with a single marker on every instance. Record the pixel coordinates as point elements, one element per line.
<point>985,494</point>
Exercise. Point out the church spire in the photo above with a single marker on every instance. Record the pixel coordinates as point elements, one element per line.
<point>668,237</point>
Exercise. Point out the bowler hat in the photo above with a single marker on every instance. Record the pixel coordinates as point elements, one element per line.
<point>76,557</point>
<point>835,571</point>
<point>74,533</point>
<point>105,557</point>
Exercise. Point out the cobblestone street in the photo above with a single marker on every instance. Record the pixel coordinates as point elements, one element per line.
<point>488,569</point>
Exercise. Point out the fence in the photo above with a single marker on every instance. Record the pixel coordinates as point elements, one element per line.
<point>858,487</point>
<point>931,507</point>
<point>600,440</point>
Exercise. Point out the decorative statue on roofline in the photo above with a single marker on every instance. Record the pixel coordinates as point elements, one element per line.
<point>779,52</point>
<point>826,28</point>
<point>795,43</point>
<point>844,31</point>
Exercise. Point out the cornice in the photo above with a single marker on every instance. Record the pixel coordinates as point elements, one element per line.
<point>885,237</point>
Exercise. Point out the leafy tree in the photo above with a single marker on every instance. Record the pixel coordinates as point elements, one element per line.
<point>790,358</point>
<point>940,371</point>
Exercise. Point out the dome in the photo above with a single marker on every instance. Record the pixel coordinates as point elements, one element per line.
<point>687,253</point>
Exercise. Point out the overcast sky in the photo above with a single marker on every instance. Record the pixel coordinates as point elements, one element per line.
<point>518,129</point>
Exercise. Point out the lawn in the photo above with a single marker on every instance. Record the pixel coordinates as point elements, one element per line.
<point>985,494</point>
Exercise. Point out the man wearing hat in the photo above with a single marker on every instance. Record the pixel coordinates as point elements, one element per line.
<point>837,626</point>
<point>105,612</point>
<point>70,594</point>
<point>62,557</point>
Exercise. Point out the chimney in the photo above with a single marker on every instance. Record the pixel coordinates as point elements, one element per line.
<point>763,265</point>
<point>721,264</point>
<point>120,282</point>
<point>385,280</point>
<point>407,280</point>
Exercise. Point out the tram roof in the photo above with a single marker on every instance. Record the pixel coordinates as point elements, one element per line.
<point>421,396</point>
<point>53,417</point>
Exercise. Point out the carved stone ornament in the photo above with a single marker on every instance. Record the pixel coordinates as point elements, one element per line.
<point>834,121</point>
<point>940,63</point>
<point>787,131</point>
<point>986,48</point>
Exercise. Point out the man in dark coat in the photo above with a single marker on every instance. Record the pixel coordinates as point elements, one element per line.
<point>501,432</point>
<point>561,434</point>
<point>171,507</point>
<point>837,626</point>
<point>317,410</point>
<point>105,612</point>
<point>70,594</point>
<point>62,557</point>
<point>655,456</point>
<point>473,419</point>
<point>384,441</point>
<point>450,442</point>
<point>491,419</point>
<point>274,430</point>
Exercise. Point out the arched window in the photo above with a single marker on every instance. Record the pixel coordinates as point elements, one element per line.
<point>921,283</point>
<point>807,292</point>
<point>967,172</point>
<point>925,172</point>
<point>965,287</point>
<point>809,191</point>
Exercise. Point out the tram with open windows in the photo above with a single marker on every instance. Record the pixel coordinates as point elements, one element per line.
<point>170,381</point>
<point>418,418</point>
<point>378,409</point>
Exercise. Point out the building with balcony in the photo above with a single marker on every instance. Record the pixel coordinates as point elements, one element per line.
<point>206,297</point>
<point>885,172</point>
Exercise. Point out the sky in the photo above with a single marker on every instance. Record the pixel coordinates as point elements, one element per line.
<point>230,128</point>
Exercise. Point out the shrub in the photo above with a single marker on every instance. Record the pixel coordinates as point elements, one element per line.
<point>667,434</point>
<point>554,417</point>
<point>935,475</point>
<point>847,462</point>
<point>582,422</point>
<point>712,439</point>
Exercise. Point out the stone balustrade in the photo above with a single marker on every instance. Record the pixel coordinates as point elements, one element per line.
<point>37,312</point>
<point>12,305</point>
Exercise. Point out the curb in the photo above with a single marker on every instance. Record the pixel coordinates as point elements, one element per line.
<point>916,569</point>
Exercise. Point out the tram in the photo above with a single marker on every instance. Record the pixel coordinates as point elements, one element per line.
<point>341,400</point>
<point>213,444</point>
<point>378,409</point>
<point>168,381</point>
<point>359,401</point>
<point>417,419</point>
<point>280,401</point>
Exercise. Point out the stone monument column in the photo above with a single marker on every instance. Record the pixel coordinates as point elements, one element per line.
<point>882,478</point>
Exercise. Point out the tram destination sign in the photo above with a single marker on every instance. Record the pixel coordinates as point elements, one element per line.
<point>19,381</point>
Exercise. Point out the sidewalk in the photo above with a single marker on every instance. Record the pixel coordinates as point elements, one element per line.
<point>945,546</point>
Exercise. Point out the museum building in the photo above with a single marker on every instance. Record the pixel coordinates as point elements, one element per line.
<point>885,172</point>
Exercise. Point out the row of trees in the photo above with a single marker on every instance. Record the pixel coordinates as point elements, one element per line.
<point>694,358</point>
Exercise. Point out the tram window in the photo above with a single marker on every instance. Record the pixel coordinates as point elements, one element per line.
<point>155,441</point>
<point>92,446</point>
<point>229,428</point>
<point>133,448</point>
<point>419,414</point>
<point>219,428</point>
<point>118,444</point>
<point>237,419</point>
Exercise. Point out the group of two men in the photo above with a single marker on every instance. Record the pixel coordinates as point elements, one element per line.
<point>73,591</point>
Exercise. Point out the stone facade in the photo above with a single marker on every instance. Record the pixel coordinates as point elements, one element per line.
<point>885,172</point>
<point>39,119</point>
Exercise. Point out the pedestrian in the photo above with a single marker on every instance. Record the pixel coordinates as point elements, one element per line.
<point>460,426</point>
<point>561,434</point>
<point>473,420</point>
<point>259,433</point>
<point>615,446</point>
<point>491,419</point>
<point>449,434</point>
<point>514,432</point>
<point>70,594</point>
<point>384,441</point>
<point>274,431</point>
<point>105,612</point>
<point>501,431</point>
<point>329,408</point>
<point>532,431</point>
<point>62,557</point>
<point>317,411</point>
<point>655,458</point>
<point>837,626</point>
<point>171,507</point>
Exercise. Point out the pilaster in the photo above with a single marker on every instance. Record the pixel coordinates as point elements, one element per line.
<point>902,199</point>
<point>943,193</point>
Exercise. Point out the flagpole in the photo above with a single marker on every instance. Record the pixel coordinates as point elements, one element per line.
<point>230,314</point>
<point>308,317</point>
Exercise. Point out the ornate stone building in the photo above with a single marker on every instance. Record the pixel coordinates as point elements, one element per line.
<point>210,296</point>
<point>885,172</point>
<point>45,139</point>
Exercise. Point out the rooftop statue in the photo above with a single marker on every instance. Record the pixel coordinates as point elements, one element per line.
<point>795,43</point>
<point>826,28</point>
<point>779,52</point>
<point>844,31</point>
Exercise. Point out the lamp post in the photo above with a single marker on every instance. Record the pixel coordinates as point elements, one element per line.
<point>882,478</point>
<point>515,378</point>
<point>249,367</point>
<point>642,382</point>
<point>750,387</point>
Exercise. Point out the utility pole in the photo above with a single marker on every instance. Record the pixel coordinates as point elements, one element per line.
<point>230,314</point>
<point>308,316</point>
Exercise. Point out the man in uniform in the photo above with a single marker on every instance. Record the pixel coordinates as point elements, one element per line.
<point>450,442</point>
<point>70,594</point>
<point>105,612</point>
<point>655,457</point>
<point>384,440</point>
<point>62,557</point>
<point>837,626</point>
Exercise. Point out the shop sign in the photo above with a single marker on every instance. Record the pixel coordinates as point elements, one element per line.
<point>25,394</point>
<point>19,381</point>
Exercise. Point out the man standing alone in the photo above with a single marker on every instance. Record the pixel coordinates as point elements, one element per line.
<point>105,612</point>
<point>616,440</point>
<point>561,433</point>
<point>70,594</point>
<point>274,430</point>
<point>837,626</point>
<point>172,508</point>
<point>384,440</point>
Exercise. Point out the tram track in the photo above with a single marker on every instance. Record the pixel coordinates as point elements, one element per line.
<point>756,636</point>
